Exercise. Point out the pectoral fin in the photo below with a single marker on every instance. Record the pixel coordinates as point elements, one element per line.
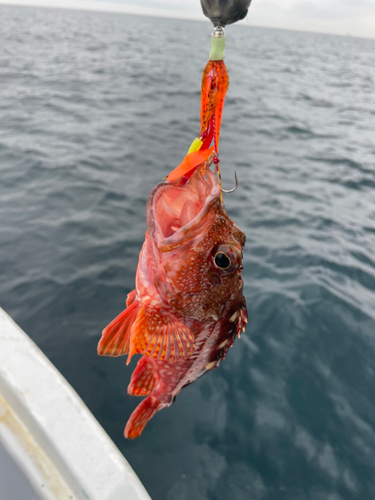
<point>160,335</point>
<point>115,339</point>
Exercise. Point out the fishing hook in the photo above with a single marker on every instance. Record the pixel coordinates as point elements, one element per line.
<point>233,189</point>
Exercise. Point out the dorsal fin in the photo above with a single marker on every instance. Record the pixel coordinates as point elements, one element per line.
<point>160,335</point>
<point>115,339</point>
<point>143,379</point>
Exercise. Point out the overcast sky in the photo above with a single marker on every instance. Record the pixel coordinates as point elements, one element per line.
<point>354,17</point>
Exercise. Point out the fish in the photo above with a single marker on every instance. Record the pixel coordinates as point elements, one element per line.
<point>188,305</point>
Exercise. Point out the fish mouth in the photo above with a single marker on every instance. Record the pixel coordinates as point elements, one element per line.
<point>175,213</point>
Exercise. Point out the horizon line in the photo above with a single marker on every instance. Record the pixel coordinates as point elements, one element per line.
<point>97,6</point>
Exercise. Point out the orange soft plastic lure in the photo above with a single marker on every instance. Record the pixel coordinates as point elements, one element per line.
<point>215,83</point>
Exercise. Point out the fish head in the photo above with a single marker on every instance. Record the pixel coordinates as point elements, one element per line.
<point>196,261</point>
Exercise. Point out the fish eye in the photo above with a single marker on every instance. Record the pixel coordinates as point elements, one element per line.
<point>225,259</point>
<point>222,261</point>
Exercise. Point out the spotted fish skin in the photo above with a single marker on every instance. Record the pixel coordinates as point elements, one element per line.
<point>188,304</point>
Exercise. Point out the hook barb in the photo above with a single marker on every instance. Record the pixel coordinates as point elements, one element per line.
<point>235,187</point>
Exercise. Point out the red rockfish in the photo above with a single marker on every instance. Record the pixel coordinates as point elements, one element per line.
<point>188,305</point>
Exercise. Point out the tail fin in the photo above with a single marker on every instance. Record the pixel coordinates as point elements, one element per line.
<point>141,415</point>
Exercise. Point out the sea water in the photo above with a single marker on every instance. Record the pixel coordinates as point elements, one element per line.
<point>95,109</point>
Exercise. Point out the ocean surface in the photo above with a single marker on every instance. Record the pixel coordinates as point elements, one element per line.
<point>95,109</point>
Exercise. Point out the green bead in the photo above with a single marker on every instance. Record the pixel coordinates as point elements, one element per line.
<point>217,49</point>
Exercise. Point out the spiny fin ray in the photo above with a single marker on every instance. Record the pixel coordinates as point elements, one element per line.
<point>115,339</point>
